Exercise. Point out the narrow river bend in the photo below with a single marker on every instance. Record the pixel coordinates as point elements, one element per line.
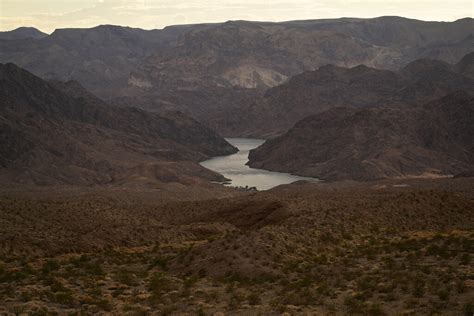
<point>234,168</point>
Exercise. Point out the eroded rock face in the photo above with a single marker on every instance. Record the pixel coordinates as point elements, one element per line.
<point>379,142</point>
<point>59,133</point>
<point>330,86</point>
<point>252,77</point>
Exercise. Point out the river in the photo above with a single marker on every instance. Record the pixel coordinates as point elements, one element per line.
<point>234,168</point>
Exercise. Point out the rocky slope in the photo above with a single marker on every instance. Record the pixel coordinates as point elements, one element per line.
<point>466,65</point>
<point>331,86</point>
<point>254,54</point>
<point>58,133</point>
<point>377,142</point>
<point>201,68</point>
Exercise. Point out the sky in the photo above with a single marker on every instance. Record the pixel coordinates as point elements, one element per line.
<point>48,15</point>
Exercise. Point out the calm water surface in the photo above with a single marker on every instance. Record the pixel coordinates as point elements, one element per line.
<point>233,167</point>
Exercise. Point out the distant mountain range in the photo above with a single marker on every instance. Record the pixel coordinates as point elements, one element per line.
<point>358,99</point>
<point>436,139</point>
<point>331,86</point>
<point>204,68</point>
<point>59,133</point>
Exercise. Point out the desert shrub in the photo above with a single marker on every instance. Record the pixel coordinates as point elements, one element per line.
<point>468,309</point>
<point>212,296</point>
<point>159,284</point>
<point>26,296</point>
<point>304,282</point>
<point>156,246</point>
<point>327,237</point>
<point>465,259</point>
<point>95,292</point>
<point>100,302</point>
<point>254,299</point>
<point>300,298</point>
<point>189,281</point>
<point>412,303</point>
<point>50,265</point>
<point>389,263</point>
<point>202,273</point>
<point>118,291</point>
<point>461,286</point>
<point>235,300</point>
<point>40,312</point>
<point>104,304</point>
<point>17,309</point>
<point>64,298</point>
<point>443,294</point>
<point>321,259</point>
<point>353,305</point>
<point>94,268</point>
<point>366,284</point>
<point>324,289</point>
<point>200,312</point>
<point>375,310</point>
<point>79,261</point>
<point>126,277</point>
<point>12,276</point>
<point>161,262</point>
<point>346,235</point>
<point>418,288</point>
<point>57,287</point>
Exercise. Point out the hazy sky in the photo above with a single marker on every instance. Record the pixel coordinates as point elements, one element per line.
<point>48,15</point>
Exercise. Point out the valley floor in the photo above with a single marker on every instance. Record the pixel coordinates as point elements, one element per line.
<point>391,247</point>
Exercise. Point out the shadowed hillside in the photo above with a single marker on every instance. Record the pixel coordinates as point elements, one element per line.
<point>59,133</point>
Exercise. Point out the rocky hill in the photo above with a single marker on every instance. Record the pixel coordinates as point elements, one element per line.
<point>377,142</point>
<point>22,33</point>
<point>331,86</point>
<point>58,133</point>
<point>201,68</point>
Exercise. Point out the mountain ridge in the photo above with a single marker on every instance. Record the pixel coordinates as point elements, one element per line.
<point>202,68</point>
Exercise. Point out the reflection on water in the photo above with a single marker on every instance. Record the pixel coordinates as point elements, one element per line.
<point>233,167</point>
